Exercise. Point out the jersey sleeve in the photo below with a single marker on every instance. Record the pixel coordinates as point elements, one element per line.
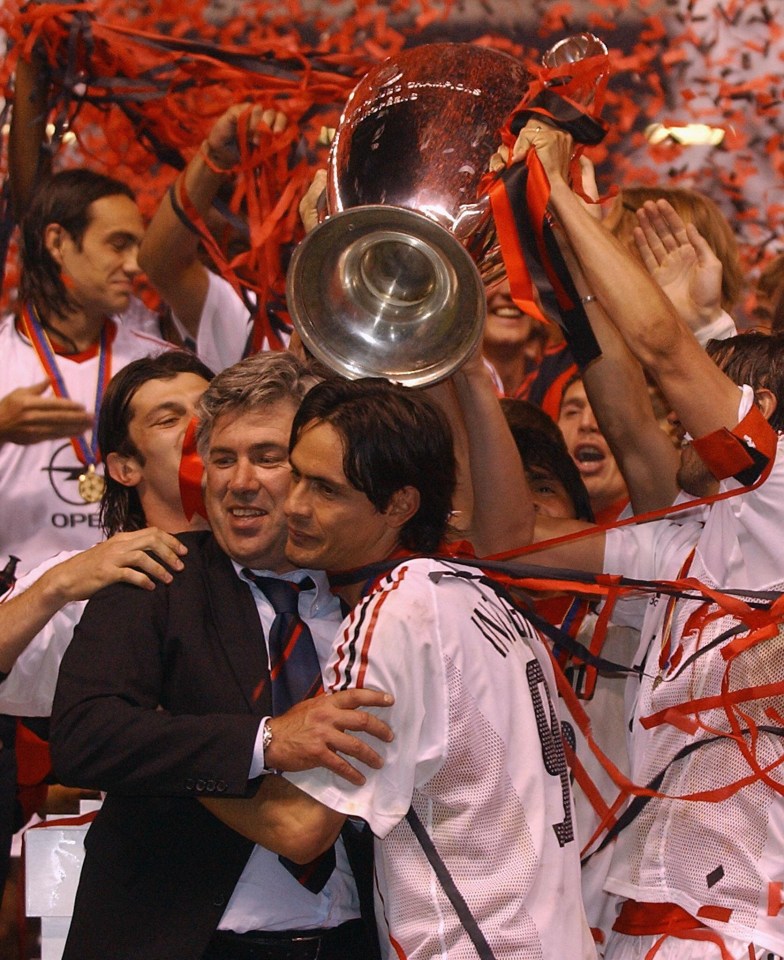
<point>224,326</point>
<point>28,689</point>
<point>393,644</point>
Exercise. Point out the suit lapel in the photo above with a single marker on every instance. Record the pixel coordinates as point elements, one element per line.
<point>238,629</point>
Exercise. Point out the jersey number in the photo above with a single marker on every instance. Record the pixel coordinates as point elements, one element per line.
<point>552,746</point>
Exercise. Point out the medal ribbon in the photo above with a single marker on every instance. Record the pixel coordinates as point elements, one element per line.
<point>89,455</point>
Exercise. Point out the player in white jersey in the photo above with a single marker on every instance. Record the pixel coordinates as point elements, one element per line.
<point>147,409</point>
<point>42,506</point>
<point>472,813</point>
<point>715,740</point>
<point>225,325</point>
<point>702,874</point>
<point>79,240</point>
<point>477,754</point>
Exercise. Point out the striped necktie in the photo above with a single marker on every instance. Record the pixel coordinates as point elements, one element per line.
<point>295,675</point>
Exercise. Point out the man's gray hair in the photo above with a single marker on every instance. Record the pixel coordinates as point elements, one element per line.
<point>258,381</point>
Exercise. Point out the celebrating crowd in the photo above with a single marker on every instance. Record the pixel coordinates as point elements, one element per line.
<point>485,669</point>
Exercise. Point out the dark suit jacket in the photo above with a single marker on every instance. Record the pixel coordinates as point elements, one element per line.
<point>158,702</point>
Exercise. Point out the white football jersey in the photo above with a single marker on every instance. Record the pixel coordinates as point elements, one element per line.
<point>477,753</point>
<point>42,511</point>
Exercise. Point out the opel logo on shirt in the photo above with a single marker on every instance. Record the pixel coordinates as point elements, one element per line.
<point>64,471</point>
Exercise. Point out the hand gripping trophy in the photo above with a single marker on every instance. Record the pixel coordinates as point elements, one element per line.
<point>392,282</point>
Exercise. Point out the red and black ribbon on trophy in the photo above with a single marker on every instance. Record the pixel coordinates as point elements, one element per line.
<point>569,97</point>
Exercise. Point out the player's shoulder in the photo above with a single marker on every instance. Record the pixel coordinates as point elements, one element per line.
<point>427,579</point>
<point>28,577</point>
<point>138,316</point>
<point>12,340</point>
<point>413,569</point>
<point>6,324</point>
<point>203,552</point>
<point>136,338</point>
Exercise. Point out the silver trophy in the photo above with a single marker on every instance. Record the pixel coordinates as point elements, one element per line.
<point>392,282</point>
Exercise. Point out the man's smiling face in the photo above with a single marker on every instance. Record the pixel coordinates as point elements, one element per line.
<point>247,479</point>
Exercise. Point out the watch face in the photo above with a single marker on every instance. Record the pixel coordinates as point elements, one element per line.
<point>91,486</point>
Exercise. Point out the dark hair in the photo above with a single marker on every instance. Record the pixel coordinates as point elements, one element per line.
<point>541,445</point>
<point>771,278</point>
<point>393,437</point>
<point>64,198</point>
<point>777,322</point>
<point>576,377</point>
<point>121,508</point>
<point>259,380</point>
<point>756,359</point>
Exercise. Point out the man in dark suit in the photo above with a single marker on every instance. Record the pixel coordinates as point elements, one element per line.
<point>164,697</point>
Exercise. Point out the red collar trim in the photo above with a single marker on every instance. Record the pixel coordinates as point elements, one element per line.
<point>83,355</point>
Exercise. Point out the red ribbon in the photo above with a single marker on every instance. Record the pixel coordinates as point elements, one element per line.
<point>190,475</point>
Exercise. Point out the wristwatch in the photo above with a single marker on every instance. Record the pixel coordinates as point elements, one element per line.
<point>266,736</point>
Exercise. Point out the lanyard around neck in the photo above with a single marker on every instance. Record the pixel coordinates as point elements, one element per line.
<point>86,453</point>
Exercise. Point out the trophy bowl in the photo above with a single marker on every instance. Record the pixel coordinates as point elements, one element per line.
<point>392,282</point>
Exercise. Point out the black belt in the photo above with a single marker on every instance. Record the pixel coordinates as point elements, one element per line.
<point>345,942</point>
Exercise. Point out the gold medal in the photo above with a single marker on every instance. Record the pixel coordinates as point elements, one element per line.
<point>91,485</point>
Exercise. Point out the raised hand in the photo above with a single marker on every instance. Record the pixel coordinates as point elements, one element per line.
<point>139,557</point>
<point>308,205</point>
<point>681,261</point>
<point>221,146</point>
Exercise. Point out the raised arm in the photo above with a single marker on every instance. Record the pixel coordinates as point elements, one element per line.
<point>616,386</point>
<point>704,398</point>
<point>619,396</point>
<point>462,518</point>
<point>169,253</point>
<point>503,512</point>
<point>28,162</point>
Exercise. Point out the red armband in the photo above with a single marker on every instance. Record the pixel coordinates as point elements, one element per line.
<point>744,452</point>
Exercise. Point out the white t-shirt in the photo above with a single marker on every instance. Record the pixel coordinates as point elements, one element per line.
<point>42,511</point>
<point>139,317</point>
<point>478,753</point>
<point>28,690</point>
<point>225,326</point>
<point>721,861</point>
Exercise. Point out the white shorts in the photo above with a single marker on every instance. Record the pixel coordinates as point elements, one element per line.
<point>622,946</point>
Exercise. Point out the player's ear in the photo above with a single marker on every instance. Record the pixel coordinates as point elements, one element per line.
<point>124,469</point>
<point>54,234</point>
<point>766,401</point>
<point>402,506</point>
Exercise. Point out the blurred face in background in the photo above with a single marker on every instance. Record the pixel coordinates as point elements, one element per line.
<point>589,450</point>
